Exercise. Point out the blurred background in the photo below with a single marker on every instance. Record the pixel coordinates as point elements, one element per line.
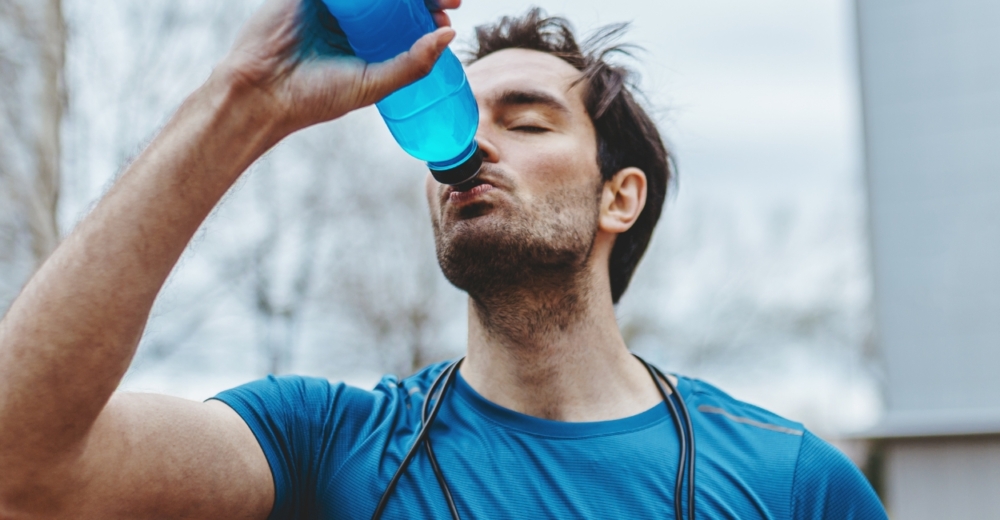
<point>761,277</point>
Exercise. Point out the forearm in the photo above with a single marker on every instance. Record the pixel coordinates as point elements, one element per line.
<point>69,337</point>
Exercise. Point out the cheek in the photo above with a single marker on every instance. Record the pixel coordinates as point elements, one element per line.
<point>563,167</point>
<point>560,158</point>
<point>431,188</point>
<point>570,202</point>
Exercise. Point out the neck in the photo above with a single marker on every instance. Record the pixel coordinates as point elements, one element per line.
<point>555,351</point>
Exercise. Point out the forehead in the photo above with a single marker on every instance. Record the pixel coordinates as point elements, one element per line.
<point>521,69</point>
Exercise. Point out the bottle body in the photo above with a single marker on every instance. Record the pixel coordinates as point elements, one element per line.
<point>433,119</point>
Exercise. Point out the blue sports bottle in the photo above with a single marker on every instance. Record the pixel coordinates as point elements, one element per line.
<point>435,118</point>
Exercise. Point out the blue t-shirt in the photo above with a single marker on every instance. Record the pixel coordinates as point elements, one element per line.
<point>333,448</point>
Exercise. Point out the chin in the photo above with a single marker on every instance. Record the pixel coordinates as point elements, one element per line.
<point>474,216</point>
<point>475,211</point>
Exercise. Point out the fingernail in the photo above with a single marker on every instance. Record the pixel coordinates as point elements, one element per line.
<point>445,38</point>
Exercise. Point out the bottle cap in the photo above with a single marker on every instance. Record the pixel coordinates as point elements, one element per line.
<point>462,172</point>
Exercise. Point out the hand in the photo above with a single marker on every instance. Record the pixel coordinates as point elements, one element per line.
<point>293,57</point>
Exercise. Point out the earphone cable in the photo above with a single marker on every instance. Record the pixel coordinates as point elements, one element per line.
<point>690,432</point>
<point>442,483</point>
<point>681,462</point>
<point>424,430</point>
<point>685,432</point>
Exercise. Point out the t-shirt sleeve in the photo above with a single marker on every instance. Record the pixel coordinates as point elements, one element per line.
<point>300,423</point>
<point>828,485</point>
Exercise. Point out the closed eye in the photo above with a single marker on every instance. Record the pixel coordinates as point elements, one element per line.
<point>530,129</point>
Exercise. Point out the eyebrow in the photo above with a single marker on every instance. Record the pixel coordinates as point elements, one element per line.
<point>531,97</point>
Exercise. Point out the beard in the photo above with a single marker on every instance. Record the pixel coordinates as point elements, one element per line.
<point>516,250</point>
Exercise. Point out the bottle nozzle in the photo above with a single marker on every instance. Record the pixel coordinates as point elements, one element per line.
<point>459,172</point>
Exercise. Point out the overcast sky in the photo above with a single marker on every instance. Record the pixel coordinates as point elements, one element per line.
<point>757,92</point>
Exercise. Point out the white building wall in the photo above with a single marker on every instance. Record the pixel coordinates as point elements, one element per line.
<point>943,478</point>
<point>930,76</point>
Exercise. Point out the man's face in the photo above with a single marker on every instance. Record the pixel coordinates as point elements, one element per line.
<point>534,211</point>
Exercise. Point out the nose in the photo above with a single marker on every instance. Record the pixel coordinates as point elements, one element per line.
<point>489,150</point>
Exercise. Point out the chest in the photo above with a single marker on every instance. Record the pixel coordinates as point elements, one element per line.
<point>503,475</point>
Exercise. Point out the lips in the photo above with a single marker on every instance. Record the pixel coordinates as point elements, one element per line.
<point>469,191</point>
<point>457,196</point>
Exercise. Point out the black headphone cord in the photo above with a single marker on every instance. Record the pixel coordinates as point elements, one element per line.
<point>681,438</point>
<point>448,374</point>
<point>689,427</point>
<point>427,440</point>
<point>690,433</point>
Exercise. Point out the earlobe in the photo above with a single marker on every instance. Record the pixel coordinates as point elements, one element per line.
<point>622,200</point>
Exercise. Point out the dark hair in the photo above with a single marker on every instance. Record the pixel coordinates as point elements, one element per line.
<point>626,136</point>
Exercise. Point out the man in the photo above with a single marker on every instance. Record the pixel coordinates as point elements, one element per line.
<point>549,416</point>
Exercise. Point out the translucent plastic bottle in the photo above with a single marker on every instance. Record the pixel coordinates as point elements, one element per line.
<point>433,119</point>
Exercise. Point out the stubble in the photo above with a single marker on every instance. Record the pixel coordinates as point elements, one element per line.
<point>523,266</point>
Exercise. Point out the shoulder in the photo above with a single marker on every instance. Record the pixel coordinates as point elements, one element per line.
<point>302,399</point>
<point>294,416</point>
<point>743,437</point>
<point>818,480</point>
<point>309,427</point>
<point>712,402</point>
<point>290,396</point>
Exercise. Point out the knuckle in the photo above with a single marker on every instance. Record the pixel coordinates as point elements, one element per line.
<point>425,66</point>
<point>368,87</point>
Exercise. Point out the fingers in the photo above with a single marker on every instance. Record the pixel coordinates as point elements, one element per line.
<point>437,5</point>
<point>441,18</point>
<point>381,79</point>
<point>437,8</point>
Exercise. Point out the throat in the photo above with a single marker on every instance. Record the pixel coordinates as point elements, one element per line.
<point>534,313</point>
<point>554,354</point>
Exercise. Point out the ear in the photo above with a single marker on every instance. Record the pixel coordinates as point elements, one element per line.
<point>622,200</point>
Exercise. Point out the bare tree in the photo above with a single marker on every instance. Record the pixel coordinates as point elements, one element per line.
<point>283,259</point>
<point>130,63</point>
<point>342,244</point>
<point>32,49</point>
<point>391,287</point>
<point>300,243</point>
<point>728,286</point>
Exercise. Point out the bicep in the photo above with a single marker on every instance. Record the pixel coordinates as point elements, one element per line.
<point>154,456</point>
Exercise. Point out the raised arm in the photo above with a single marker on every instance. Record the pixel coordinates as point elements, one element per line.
<point>67,449</point>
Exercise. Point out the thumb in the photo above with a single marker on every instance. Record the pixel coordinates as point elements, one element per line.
<point>382,79</point>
